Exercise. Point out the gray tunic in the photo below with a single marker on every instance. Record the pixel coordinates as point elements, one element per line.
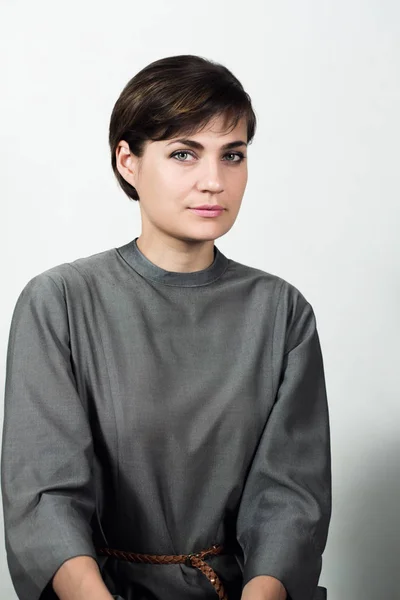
<point>162,412</point>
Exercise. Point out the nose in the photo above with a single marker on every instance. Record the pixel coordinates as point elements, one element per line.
<point>210,176</point>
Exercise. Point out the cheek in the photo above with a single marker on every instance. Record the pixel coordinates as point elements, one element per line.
<point>166,191</point>
<point>244,178</point>
<point>168,175</point>
<point>176,182</point>
<point>238,182</point>
<point>154,185</point>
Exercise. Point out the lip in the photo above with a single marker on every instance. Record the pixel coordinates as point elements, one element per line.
<point>207,212</point>
<point>208,207</point>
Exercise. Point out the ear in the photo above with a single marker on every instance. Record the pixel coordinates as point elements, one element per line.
<point>126,162</point>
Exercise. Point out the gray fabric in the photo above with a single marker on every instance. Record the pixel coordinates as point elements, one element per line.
<point>178,410</point>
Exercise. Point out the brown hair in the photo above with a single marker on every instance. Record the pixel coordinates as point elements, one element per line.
<point>172,96</point>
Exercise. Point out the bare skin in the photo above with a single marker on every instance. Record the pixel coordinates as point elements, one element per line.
<point>79,578</point>
<point>264,587</point>
<point>173,237</point>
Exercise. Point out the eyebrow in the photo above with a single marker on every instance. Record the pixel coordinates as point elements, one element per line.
<point>198,146</point>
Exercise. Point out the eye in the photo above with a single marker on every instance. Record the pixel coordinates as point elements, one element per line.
<point>237,157</point>
<point>180,152</point>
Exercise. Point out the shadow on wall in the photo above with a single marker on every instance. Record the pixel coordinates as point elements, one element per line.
<point>367,530</point>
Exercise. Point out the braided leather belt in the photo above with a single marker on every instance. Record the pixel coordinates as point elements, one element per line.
<point>191,560</point>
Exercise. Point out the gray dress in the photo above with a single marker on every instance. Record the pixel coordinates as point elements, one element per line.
<point>161,412</point>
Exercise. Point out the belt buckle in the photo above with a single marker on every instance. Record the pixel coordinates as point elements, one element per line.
<point>188,560</point>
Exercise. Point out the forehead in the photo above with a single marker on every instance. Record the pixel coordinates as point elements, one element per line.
<point>218,128</point>
<point>216,132</point>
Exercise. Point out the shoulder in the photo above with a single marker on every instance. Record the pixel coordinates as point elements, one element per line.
<point>292,315</point>
<point>67,279</point>
<point>288,297</point>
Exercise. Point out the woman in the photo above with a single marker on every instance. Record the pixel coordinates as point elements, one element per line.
<point>162,399</point>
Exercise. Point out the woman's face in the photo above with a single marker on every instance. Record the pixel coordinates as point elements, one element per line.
<point>173,177</point>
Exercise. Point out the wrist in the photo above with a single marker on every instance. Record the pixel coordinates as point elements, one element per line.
<point>79,578</point>
<point>264,587</point>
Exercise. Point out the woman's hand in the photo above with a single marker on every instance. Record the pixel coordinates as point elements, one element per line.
<point>79,578</point>
<point>264,587</point>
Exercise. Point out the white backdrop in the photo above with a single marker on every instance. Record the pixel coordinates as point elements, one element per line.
<point>321,207</point>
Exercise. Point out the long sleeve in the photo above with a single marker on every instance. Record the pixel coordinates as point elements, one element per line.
<point>47,453</point>
<point>285,508</point>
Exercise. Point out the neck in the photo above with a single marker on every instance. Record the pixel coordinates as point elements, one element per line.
<point>179,256</point>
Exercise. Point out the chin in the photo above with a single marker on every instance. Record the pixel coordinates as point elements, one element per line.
<point>202,236</point>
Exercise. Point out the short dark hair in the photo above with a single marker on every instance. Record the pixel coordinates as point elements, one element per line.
<point>172,96</point>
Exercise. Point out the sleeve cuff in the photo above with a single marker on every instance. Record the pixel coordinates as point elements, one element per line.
<point>55,535</point>
<point>297,565</point>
